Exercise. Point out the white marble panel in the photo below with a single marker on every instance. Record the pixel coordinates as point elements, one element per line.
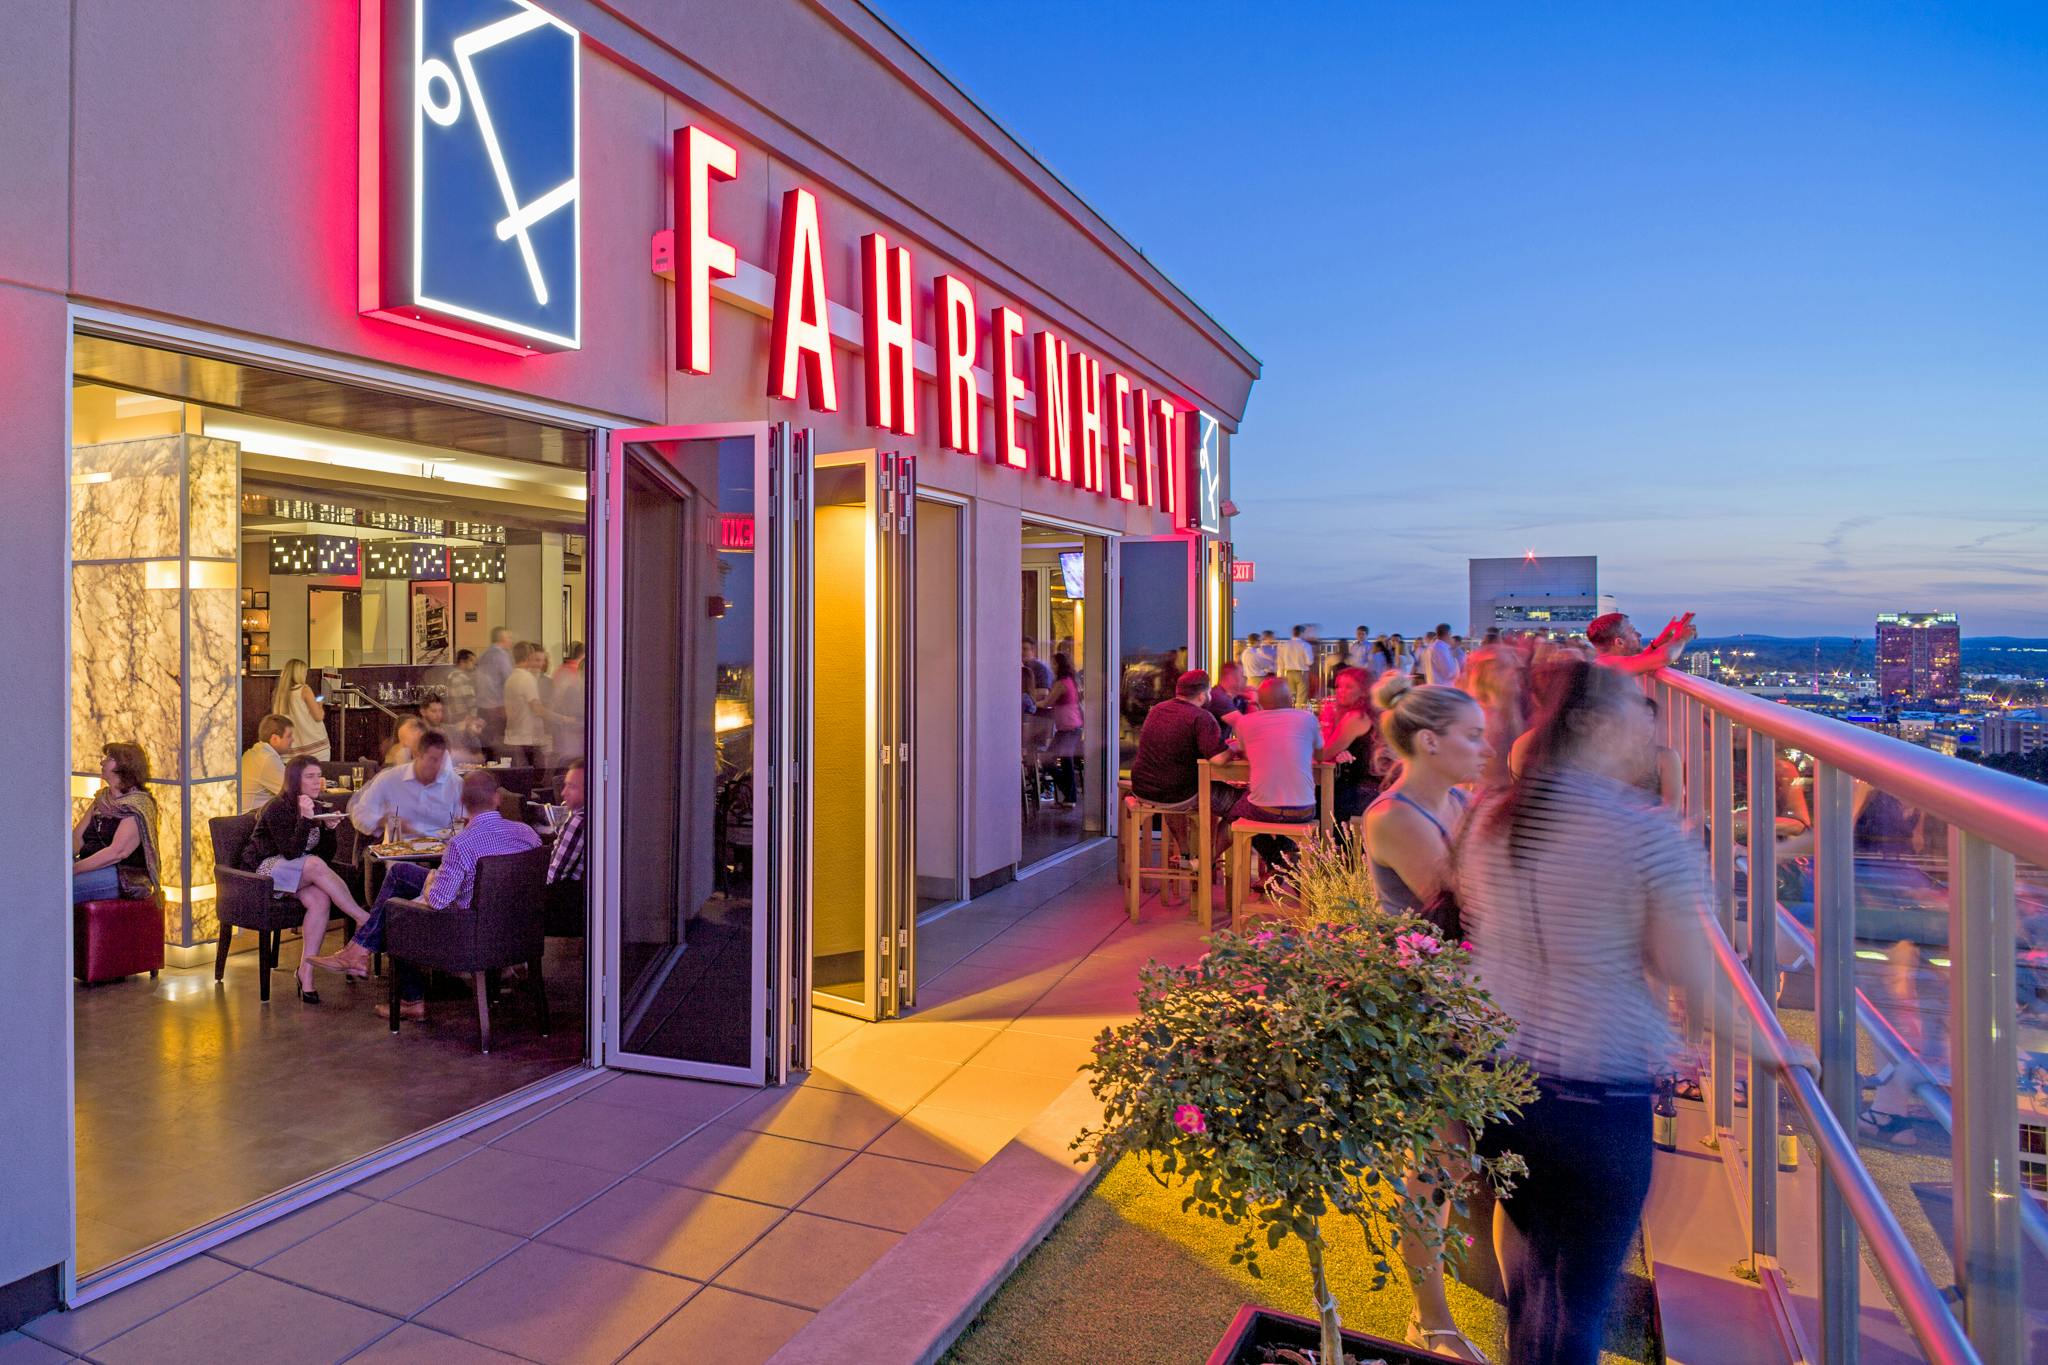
<point>125,499</point>
<point>125,666</point>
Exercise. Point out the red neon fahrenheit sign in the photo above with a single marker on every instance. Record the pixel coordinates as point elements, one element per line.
<point>953,316</point>
<point>1145,448</point>
<point>698,157</point>
<point>801,327</point>
<point>1168,448</point>
<point>892,384</point>
<point>1055,454</point>
<point>1084,409</point>
<point>1006,329</point>
<point>1117,434</point>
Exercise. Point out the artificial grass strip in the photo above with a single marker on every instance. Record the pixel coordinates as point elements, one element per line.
<point>1128,1277</point>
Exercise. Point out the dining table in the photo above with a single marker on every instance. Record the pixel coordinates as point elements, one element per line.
<point>1232,768</point>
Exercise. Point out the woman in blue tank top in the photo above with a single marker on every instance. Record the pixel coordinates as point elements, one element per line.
<point>1438,734</point>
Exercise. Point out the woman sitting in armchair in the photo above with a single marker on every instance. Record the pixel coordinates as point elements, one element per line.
<point>285,847</point>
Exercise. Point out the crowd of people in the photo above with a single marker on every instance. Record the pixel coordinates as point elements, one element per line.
<point>1518,796</point>
<point>504,704</point>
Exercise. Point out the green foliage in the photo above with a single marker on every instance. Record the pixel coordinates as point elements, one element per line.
<point>1329,882</point>
<point>1300,1072</point>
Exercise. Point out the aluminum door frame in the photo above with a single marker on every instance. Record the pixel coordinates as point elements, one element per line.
<point>779,1030</point>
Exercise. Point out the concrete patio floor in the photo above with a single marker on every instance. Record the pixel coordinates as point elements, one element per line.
<point>648,1219</point>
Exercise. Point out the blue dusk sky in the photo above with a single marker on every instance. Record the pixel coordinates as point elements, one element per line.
<point>1749,300</point>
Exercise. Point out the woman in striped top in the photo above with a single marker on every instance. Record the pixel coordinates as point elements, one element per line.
<point>1577,890</point>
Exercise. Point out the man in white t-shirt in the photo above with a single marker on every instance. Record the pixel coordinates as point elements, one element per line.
<point>1439,664</point>
<point>263,762</point>
<point>1258,657</point>
<point>1282,744</point>
<point>1358,653</point>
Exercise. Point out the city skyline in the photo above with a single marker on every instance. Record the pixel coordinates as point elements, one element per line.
<point>1746,302</point>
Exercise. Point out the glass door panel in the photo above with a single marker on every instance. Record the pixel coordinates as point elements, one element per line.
<point>692,739</point>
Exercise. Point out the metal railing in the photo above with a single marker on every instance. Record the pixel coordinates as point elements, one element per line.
<point>1993,820</point>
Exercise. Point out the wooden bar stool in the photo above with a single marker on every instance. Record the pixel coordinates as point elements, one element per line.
<point>1140,817</point>
<point>1239,856</point>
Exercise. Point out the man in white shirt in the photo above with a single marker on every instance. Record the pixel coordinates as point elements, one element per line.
<point>1296,659</point>
<point>425,795</point>
<point>1282,744</point>
<point>1439,664</point>
<point>1359,652</point>
<point>526,713</point>
<point>263,763</point>
<point>1258,657</point>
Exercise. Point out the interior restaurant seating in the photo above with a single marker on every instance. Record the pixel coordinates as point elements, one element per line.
<point>504,927</point>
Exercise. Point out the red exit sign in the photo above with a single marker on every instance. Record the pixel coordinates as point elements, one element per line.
<point>1243,570</point>
<point>735,533</point>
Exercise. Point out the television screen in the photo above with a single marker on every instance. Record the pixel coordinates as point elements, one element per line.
<point>1074,572</point>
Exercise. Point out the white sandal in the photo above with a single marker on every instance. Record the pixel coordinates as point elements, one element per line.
<point>1421,1337</point>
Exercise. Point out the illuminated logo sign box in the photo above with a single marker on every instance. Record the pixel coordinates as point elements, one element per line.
<point>471,197</point>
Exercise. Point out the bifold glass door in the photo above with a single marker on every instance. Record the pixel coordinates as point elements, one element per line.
<point>699,808</point>
<point>864,591</point>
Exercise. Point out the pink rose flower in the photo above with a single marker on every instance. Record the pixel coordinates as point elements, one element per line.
<point>1190,1119</point>
<point>1263,936</point>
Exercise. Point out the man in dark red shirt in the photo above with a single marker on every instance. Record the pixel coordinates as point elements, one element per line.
<point>1178,733</point>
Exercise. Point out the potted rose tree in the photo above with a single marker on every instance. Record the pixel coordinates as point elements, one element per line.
<point>1294,1075</point>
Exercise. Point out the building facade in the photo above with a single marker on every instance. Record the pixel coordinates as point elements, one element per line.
<point>729,361</point>
<point>1561,593</point>
<point>2011,732</point>
<point>1919,656</point>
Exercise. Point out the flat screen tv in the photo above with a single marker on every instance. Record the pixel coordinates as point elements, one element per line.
<point>1074,573</point>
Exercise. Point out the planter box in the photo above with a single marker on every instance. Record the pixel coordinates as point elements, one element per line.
<point>1254,1327</point>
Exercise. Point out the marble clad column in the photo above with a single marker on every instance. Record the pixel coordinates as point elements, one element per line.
<point>155,643</point>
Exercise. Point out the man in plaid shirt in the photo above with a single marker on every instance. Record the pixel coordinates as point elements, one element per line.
<point>450,886</point>
<point>565,866</point>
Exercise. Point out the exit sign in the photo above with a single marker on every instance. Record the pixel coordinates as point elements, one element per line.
<point>1243,570</point>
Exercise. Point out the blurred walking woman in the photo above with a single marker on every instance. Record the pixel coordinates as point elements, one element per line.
<point>113,845</point>
<point>1577,890</point>
<point>294,700</point>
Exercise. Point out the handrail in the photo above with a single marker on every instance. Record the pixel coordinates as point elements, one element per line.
<point>2009,811</point>
<point>1920,1303</point>
<point>1931,1092</point>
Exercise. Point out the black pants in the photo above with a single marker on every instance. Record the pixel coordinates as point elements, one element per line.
<point>1576,1212</point>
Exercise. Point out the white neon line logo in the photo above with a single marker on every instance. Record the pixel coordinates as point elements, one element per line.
<point>519,218</point>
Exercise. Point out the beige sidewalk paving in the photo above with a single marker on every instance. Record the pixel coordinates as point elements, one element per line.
<point>646,1219</point>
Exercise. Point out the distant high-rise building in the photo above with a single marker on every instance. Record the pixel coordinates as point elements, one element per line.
<point>1919,655</point>
<point>1528,593</point>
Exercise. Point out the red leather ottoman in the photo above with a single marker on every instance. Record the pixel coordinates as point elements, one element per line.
<point>113,939</point>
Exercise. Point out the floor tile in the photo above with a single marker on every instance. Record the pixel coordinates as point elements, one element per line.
<point>293,1228</point>
<point>947,1137</point>
<point>748,1165</point>
<point>828,1116</point>
<point>391,1258</point>
<point>509,1191</point>
<point>517,1119</point>
<point>413,1344</point>
<point>690,1102</point>
<point>665,1227</point>
<point>1037,1054</point>
<point>16,1349</point>
<point>387,1183</point>
<point>611,1137</point>
<point>885,1193</point>
<point>559,1306</point>
<point>250,1317</point>
<point>918,1037</point>
<point>1015,1095</point>
<point>746,1330</point>
<point>104,1319</point>
<point>829,1029</point>
<point>807,1261</point>
<point>885,1075</point>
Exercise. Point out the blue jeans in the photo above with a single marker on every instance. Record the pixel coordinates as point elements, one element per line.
<point>100,884</point>
<point>404,881</point>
